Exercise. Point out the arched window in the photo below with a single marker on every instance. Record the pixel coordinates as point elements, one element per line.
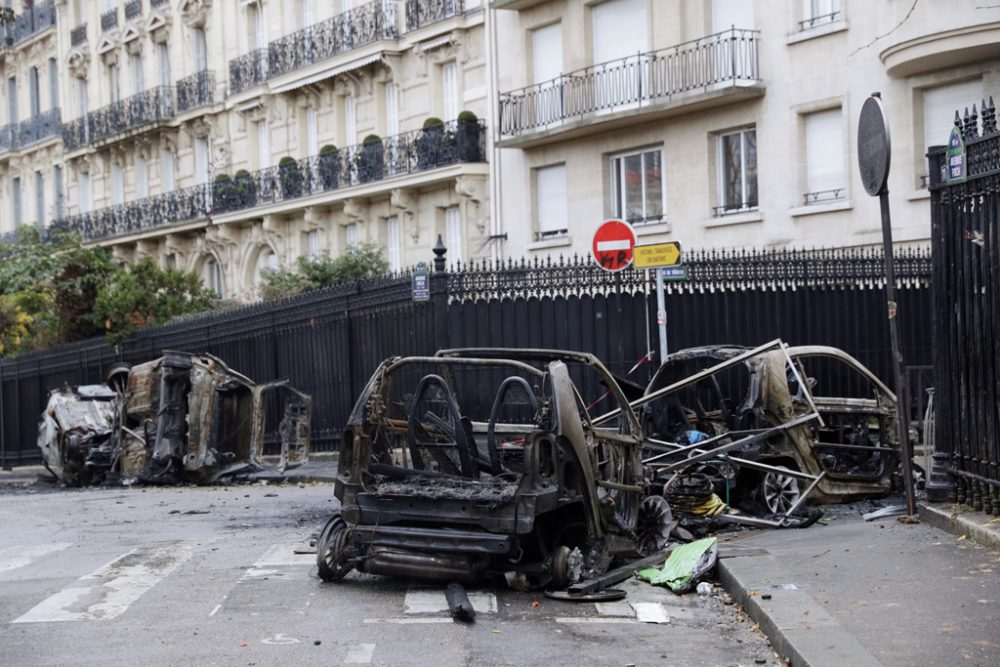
<point>211,276</point>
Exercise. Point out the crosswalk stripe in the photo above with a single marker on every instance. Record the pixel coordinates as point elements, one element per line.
<point>12,558</point>
<point>108,591</point>
<point>360,654</point>
<point>277,558</point>
<point>433,601</point>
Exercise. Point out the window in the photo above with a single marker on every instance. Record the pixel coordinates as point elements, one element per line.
<point>727,14</point>
<point>818,12</point>
<point>312,244</point>
<point>615,24</point>
<point>453,232</point>
<point>352,235</point>
<point>171,260</point>
<point>141,177</point>
<point>15,197</point>
<point>392,109</point>
<point>117,185</point>
<point>12,100</point>
<point>114,91</point>
<point>392,243</point>
<point>547,53</point>
<point>34,92</point>
<point>167,172</point>
<point>350,121</point>
<point>163,60</point>
<point>266,261</point>
<point>307,11</point>
<point>212,276</point>
<point>255,26</point>
<point>39,198</point>
<point>81,96</point>
<point>825,179</point>
<point>53,84</point>
<point>86,193</point>
<point>449,90</point>
<point>138,78</point>
<point>57,179</point>
<point>200,50</point>
<point>312,131</point>
<point>201,161</point>
<point>737,163</point>
<point>940,105</point>
<point>263,146</point>
<point>550,202</point>
<point>637,186</point>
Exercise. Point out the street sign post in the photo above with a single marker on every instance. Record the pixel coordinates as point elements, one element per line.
<point>421,283</point>
<point>659,256</point>
<point>874,153</point>
<point>613,244</point>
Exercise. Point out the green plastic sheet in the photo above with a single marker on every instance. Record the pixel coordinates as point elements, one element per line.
<point>685,565</point>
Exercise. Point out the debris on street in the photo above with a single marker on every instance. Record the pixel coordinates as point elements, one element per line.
<point>685,566</point>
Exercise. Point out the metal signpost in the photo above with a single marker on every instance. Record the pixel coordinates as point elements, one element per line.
<point>421,283</point>
<point>661,257</point>
<point>874,152</point>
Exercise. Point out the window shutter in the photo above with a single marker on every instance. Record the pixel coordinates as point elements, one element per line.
<point>392,243</point>
<point>86,194</point>
<point>141,177</point>
<point>940,105</point>
<point>727,14</point>
<point>449,74</point>
<point>825,151</point>
<point>392,109</point>
<point>550,183</point>
<point>201,161</point>
<point>167,178</point>
<point>350,121</point>
<point>53,84</point>
<point>39,198</point>
<point>117,185</point>
<point>312,131</point>
<point>453,232</point>
<point>619,29</point>
<point>547,53</point>
<point>263,145</point>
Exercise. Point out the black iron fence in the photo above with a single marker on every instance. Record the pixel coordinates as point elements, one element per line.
<point>247,71</point>
<point>728,57</point>
<point>328,342</point>
<point>132,113</point>
<point>133,8</point>
<point>424,12</point>
<point>78,35</point>
<point>46,125</point>
<point>195,91</point>
<point>109,19</point>
<point>966,314</point>
<point>32,21</point>
<point>155,212</point>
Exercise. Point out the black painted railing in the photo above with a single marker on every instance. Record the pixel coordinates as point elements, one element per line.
<point>820,196</point>
<point>29,23</point>
<point>132,9</point>
<point>407,153</point>
<point>131,113</point>
<point>157,3</point>
<point>109,19</point>
<point>78,35</point>
<point>424,12</point>
<point>728,57</point>
<point>31,131</point>
<point>141,215</point>
<point>247,71</point>
<point>362,25</point>
<point>195,91</point>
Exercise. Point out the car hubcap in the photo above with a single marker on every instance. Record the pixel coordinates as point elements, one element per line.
<point>780,492</point>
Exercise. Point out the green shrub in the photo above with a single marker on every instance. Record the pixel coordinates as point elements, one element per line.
<point>468,117</point>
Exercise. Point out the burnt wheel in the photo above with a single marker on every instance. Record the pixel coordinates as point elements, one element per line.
<point>653,525</point>
<point>331,550</point>
<point>777,492</point>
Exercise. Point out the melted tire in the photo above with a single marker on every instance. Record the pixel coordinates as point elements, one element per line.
<point>330,548</point>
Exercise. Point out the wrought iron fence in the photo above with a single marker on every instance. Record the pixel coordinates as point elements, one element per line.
<point>358,26</point>
<point>31,131</point>
<point>141,215</point>
<point>157,3</point>
<point>247,71</point>
<point>121,117</point>
<point>966,316</point>
<point>109,19</point>
<point>424,12</point>
<point>728,57</point>
<point>196,90</point>
<point>78,35</point>
<point>132,9</point>
<point>406,153</point>
<point>30,22</point>
<point>814,21</point>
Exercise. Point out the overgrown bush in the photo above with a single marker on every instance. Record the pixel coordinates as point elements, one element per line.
<point>358,262</point>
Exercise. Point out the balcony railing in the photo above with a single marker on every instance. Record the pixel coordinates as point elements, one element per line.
<point>196,90</point>
<point>123,116</point>
<point>157,3</point>
<point>424,12</point>
<point>132,9</point>
<point>35,129</point>
<point>141,215</point>
<point>29,23</point>
<point>822,196</point>
<point>814,21</point>
<point>397,155</point>
<point>362,25</point>
<point>78,35</point>
<point>109,19</point>
<point>247,71</point>
<point>728,57</point>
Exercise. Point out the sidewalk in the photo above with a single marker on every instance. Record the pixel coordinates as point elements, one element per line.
<point>883,592</point>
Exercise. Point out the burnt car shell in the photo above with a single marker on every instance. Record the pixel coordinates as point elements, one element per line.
<point>76,433</point>
<point>855,445</point>
<point>430,492</point>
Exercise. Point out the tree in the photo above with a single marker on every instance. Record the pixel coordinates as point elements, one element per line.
<point>144,294</point>
<point>359,262</point>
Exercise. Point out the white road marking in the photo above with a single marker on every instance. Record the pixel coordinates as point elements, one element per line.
<point>279,640</point>
<point>650,612</point>
<point>619,608</point>
<point>215,611</point>
<point>12,558</point>
<point>605,246</point>
<point>407,621</point>
<point>359,654</point>
<point>108,591</point>
<point>433,601</point>
<point>276,558</point>
<point>592,619</point>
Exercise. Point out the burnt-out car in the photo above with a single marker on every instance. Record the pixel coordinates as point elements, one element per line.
<point>76,433</point>
<point>851,447</point>
<point>182,417</point>
<point>487,462</point>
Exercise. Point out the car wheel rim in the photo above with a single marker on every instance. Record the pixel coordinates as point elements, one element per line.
<point>780,492</point>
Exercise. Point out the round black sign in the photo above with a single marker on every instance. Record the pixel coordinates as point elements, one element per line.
<point>874,146</point>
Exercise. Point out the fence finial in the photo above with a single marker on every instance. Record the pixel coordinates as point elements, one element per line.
<point>439,253</point>
<point>989,117</point>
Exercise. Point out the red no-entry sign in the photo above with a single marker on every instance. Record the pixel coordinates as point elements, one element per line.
<point>613,243</point>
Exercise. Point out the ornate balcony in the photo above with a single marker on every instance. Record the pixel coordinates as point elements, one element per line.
<point>78,35</point>
<point>157,3</point>
<point>29,23</point>
<point>124,116</point>
<point>132,9</point>
<point>195,91</point>
<point>8,138</point>
<point>664,81</point>
<point>109,19</point>
<point>424,12</point>
<point>362,25</point>
<point>408,153</point>
<point>38,128</point>
<point>247,71</point>
<point>141,215</point>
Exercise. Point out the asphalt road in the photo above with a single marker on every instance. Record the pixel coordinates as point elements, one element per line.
<point>209,576</point>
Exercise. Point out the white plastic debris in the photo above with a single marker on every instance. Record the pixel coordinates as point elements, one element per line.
<point>704,589</point>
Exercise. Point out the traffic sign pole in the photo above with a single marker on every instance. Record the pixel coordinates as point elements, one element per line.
<point>661,314</point>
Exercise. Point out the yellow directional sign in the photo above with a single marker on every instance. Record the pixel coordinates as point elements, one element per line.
<point>655,255</point>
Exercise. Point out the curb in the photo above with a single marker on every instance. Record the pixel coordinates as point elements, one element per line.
<point>798,627</point>
<point>962,520</point>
